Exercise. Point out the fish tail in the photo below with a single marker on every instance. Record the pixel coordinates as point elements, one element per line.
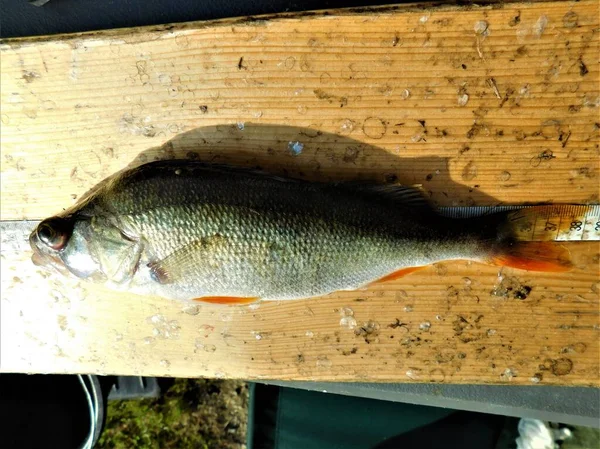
<point>512,245</point>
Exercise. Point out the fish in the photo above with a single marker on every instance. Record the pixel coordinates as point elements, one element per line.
<point>195,231</point>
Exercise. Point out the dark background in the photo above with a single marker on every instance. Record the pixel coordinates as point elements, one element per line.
<point>20,18</point>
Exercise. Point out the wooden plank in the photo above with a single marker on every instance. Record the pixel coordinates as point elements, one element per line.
<point>480,106</point>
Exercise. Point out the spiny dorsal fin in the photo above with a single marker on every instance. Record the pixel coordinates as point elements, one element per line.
<point>406,196</point>
<point>185,166</point>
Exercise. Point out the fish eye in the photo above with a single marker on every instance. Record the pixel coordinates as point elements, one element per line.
<point>54,233</point>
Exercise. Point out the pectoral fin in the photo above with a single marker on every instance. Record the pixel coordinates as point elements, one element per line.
<point>187,260</point>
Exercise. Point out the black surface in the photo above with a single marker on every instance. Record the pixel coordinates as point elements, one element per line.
<point>20,18</point>
<point>289,418</point>
<point>39,411</point>
<point>461,430</point>
<point>578,406</point>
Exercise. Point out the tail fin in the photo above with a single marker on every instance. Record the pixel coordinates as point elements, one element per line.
<point>524,240</point>
<point>534,256</point>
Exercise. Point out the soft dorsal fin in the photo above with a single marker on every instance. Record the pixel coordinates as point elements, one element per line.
<point>405,196</point>
<point>408,196</point>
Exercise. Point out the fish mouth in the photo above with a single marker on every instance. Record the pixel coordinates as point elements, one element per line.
<point>38,260</point>
<point>48,262</point>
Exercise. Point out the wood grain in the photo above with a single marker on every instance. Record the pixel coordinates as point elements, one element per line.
<point>479,106</point>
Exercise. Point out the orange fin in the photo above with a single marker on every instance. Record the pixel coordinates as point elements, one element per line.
<point>226,300</point>
<point>397,274</point>
<point>535,256</point>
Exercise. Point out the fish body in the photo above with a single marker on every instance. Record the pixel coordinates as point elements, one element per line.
<point>189,230</point>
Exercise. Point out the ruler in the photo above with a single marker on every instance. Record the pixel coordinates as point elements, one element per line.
<point>564,222</point>
<point>549,223</point>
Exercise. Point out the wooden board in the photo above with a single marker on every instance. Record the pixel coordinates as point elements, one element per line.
<point>484,105</point>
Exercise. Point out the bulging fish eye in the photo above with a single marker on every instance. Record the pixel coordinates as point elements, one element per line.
<point>54,232</point>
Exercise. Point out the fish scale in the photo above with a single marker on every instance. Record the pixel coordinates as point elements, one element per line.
<point>315,255</point>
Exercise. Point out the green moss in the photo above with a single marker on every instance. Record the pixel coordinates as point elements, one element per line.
<point>193,413</point>
<point>583,438</point>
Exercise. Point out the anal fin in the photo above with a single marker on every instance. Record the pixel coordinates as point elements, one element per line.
<point>397,274</point>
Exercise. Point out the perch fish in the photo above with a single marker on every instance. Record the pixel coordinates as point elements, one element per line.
<point>189,231</point>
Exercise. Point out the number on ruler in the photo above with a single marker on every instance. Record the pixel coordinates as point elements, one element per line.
<point>597,228</point>
<point>550,226</point>
<point>576,225</point>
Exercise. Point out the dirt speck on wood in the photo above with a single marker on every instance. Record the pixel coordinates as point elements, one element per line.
<point>192,413</point>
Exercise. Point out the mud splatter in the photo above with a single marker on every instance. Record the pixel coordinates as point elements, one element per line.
<point>558,367</point>
<point>347,318</point>
<point>463,96</point>
<point>482,30</point>
<point>30,76</point>
<point>322,95</point>
<point>578,348</point>
<point>475,130</point>
<point>510,286</point>
<point>396,324</point>
<point>504,176</point>
<point>425,326</point>
<point>508,374</point>
<point>347,352</point>
<point>351,155</point>
<point>570,19</point>
<point>369,331</point>
<point>544,156</point>
<point>469,171</point>
<point>536,378</point>
<point>374,127</point>
<point>540,26</point>
<point>515,20</point>
<point>323,362</point>
<point>468,329</point>
<point>347,126</point>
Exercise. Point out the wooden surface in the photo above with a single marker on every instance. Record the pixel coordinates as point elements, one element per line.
<point>480,106</point>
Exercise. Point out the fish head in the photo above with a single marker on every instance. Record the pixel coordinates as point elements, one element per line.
<point>87,247</point>
<point>87,240</point>
<point>62,243</point>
